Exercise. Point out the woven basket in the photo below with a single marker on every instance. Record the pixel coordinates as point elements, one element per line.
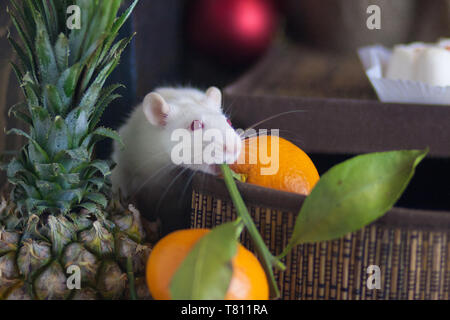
<point>411,247</point>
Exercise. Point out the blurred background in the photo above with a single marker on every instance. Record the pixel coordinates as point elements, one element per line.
<point>201,43</point>
<point>214,42</point>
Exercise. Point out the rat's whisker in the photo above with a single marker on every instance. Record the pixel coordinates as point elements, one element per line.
<point>158,205</point>
<point>274,117</point>
<point>168,167</point>
<point>188,182</point>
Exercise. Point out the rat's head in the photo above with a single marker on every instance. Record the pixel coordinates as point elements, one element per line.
<point>198,134</point>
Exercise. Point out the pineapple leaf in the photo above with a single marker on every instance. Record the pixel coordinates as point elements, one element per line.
<point>48,170</point>
<point>89,206</point>
<point>62,73</point>
<point>30,191</point>
<point>21,106</point>
<point>77,123</point>
<point>98,182</point>
<point>97,198</point>
<point>67,85</point>
<point>35,144</point>
<point>27,62</point>
<point>58,137</point>
<point>91,96</point>
<point>49,19</point>
<point>106,97</point>
<point>14,167</point>
<point>31,92</point>
<point>62,232</point>
<point>103,132</point>
<point>17,71</point>
<point>80,154</point>
<point>101,166</point>
<point>46,187</point>
<point>48,68</point>
<point>62,52</point>
<point>41,123</point>
<point>118,48</point>
<point>116,27</point>
<point>20,111</point>
<point>52,99</point>
<point>25,40</point>
<point>67,196</point>
<point>70,179</point>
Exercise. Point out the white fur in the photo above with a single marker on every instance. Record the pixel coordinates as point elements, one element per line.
<point>148,146</point>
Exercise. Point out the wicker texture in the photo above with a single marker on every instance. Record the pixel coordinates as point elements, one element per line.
<point>414,264</point>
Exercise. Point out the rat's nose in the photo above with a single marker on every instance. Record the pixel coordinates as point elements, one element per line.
<point>230,149</point>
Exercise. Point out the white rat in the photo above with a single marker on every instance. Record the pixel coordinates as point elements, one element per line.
<point>142,165</point>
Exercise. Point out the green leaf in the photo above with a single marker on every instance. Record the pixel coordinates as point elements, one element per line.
<point>106,97</point>
<point>78,124</point>
<point>100,134</point>
<point>41,124</point>
<point>117,25</point>
<point>20,111</point>
<point>31,92</point>
<point>62,52</point>
<point>34,143</point>
<point>57,137</point>
<point>52,99</point>
<point>14,167</point>
<point>99,183</point>
<point>97,198</point>
<point>67,196</point>
<point>68,80</point>
<point>48,171</point>
<point>17,72</point>
<point>205,274</point>
<point>102,166</point>
<point>46,187</point>
<point>108,133</point>
<point>353,194</point>
<point>26,61</point>
<point>89,206</point>
<point>48,68</point>
<point>26,41</point>
<point>80,154</point>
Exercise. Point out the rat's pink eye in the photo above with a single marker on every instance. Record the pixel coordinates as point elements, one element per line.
<point>196,125</point>
<point>229,122</point>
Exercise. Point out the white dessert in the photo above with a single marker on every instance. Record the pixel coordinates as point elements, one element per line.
<point>420,62</point>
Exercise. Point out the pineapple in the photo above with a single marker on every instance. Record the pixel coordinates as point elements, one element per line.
<point>60,219</point>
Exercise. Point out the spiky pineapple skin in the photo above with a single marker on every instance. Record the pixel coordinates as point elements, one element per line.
<point>30,267</point>
<point>59,213</point>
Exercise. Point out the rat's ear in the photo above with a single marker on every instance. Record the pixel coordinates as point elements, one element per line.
<point>214,95</point>
<point>156,109</point>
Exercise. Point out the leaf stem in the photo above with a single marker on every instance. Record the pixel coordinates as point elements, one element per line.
<point>268,260</point>
<point>130,274</point>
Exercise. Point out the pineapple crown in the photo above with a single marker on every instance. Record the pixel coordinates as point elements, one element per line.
<point>62,73</point>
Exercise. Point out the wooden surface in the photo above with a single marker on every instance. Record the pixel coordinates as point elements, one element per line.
<point>296,71</point>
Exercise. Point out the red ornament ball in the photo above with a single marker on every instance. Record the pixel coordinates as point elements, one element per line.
<point>234,30</point>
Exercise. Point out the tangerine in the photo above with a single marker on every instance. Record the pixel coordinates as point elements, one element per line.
<point>248,281</point>
<point>292,169</point>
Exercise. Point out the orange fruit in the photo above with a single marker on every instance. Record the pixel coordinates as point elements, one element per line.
<point>296,172</point>
<point>248,280</point>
